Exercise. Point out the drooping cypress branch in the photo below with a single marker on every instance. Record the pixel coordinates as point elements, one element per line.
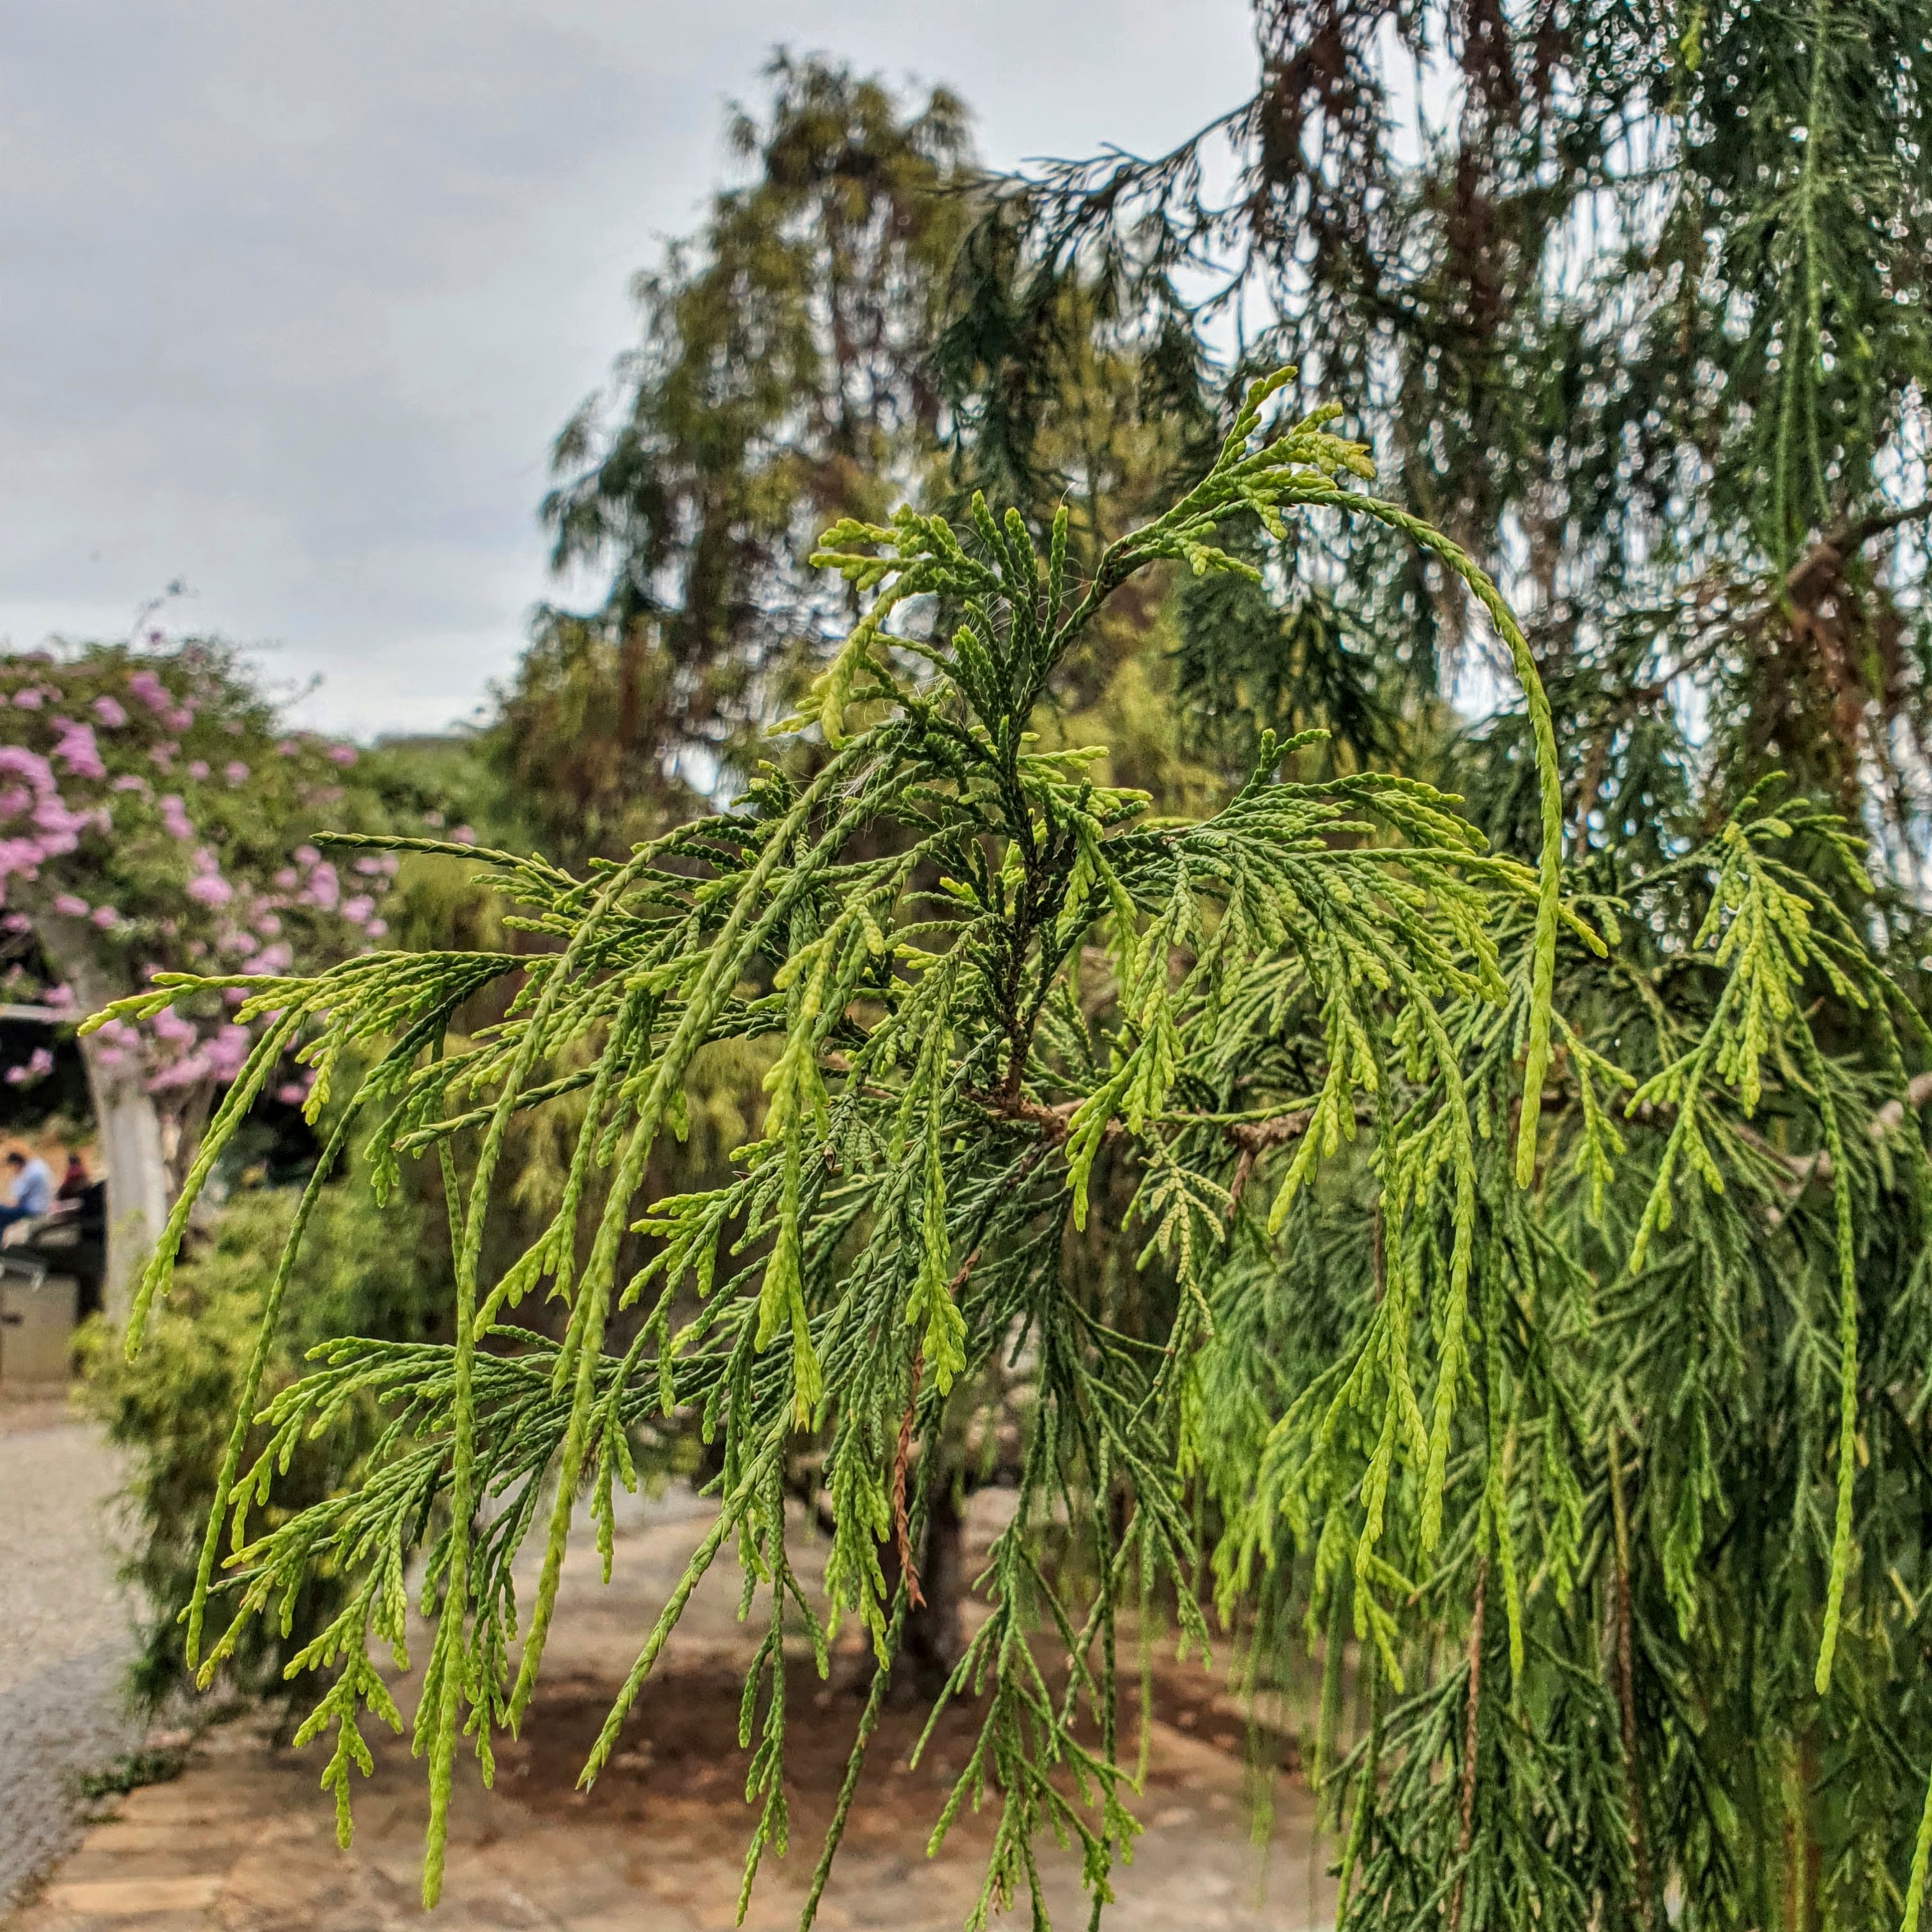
<point>1394,1367</point>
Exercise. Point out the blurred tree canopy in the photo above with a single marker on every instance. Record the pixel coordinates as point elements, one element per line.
<point>782,381</point>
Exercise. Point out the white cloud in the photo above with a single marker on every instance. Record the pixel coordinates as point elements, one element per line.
<point>295,295</point>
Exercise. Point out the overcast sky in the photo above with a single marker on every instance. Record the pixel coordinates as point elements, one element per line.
<point>294,293</point>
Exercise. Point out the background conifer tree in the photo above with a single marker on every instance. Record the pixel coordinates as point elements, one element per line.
<point>1630,302</point>
<point>781,381</point>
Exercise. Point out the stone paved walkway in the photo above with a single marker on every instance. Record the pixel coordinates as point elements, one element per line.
<point>243,1841</point>
<point>65,1639</point>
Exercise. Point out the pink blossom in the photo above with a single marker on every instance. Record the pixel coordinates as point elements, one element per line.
<point>60,829</point>
<point>198,768</point>
<point>108,1057</point>
<point>209,889</point>
<point>37,1067</point>
<point>163,755</point>
<point>15,800</point>
<point>233,996</point>
<point>106,917</point>
<point>180,718</point>
<point>307,855</point>
<point>235,772</point>
<point>357,910</point>
<point>129,781</point>
<point>171,1030</point>
<point>59,999</point>
<point>110,711</point>
<point>70,907</point>
<point>227,1051</point>
<point>15,922</point>
<point>377,928</point>
<point>184,1072</point>
<point>292,1094</point>
<point>20,857</point>
<point>433,818</point>
<point>369,867</point>
<point>267,925</point>
<point>77,751</point>
<point>463,836</point>
<point>324,888</point>
<point>276,959</point>
<point>28,765</point>
<point>29,699</point>
<point>117,1033</point>
<point>342,754</point>
<point>288,878</point>
<point>287,748</point>
<point>174,820</point>
<point>150,690</point>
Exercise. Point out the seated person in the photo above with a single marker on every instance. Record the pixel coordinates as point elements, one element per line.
<point>33,1188</point>
<point>74,1183</point>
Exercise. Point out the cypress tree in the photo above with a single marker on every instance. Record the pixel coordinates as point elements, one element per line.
<point>1527,1305</point>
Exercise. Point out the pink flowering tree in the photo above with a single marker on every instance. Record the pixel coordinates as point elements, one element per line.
<point>153,813</point>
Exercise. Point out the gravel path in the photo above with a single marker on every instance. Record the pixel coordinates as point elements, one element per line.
<point>65,1638</point>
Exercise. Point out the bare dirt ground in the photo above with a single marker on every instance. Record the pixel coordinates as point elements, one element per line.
<point>244,1840</point>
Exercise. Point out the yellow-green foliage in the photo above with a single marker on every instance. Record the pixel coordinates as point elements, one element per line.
<point>893,932</point>
<point>1411,1309</point>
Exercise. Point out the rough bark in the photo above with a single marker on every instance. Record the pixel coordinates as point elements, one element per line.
<point>128,1121</point>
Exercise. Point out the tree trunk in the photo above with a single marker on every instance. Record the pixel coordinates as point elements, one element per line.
<point>137,1180</point>
<point>930,1644</point>
<point>129,1123</point>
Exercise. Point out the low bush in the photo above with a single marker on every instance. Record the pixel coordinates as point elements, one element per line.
<point>171,1408</point>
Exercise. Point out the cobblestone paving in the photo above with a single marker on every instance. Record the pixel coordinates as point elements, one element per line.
<point>65,1639</point>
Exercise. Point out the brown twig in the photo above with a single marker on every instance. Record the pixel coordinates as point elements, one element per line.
<point>1823,562</point>
<point>1254,1138</point>
<point>902,1457</point>
<point>1052,1122</point>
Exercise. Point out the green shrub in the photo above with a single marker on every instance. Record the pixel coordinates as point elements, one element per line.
<point>171,1408</point>
<point>130,1771</point>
